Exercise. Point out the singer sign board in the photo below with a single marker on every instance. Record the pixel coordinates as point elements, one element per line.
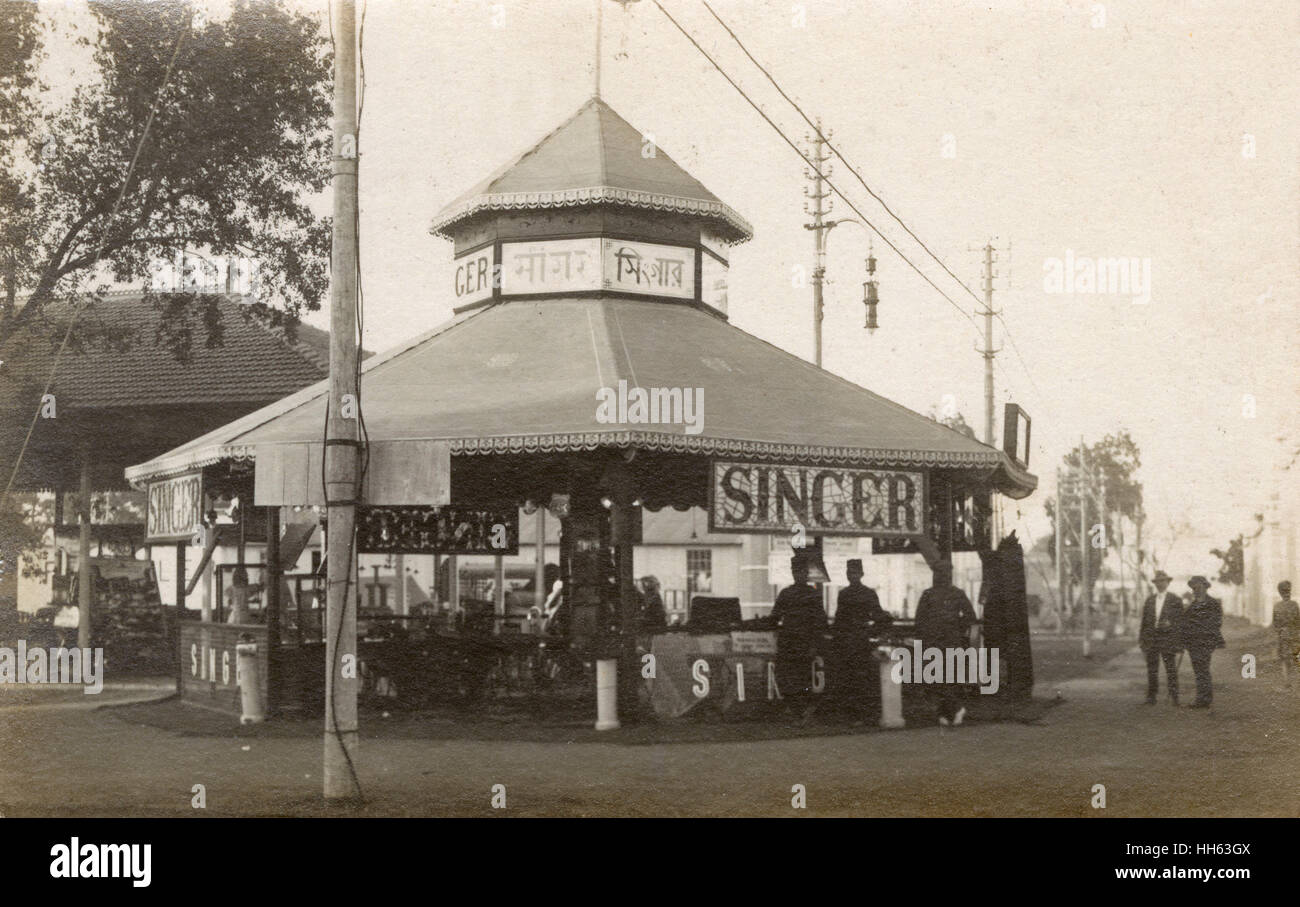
<point>175,508</point>
<point>824,500</point>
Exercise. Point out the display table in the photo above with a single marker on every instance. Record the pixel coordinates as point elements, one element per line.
<point>736,673</point>
<point>727,671</point>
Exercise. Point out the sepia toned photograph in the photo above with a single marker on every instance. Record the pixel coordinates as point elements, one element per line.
<point>473,409</point>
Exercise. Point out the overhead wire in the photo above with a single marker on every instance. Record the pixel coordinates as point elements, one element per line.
<point>858,175</point>
<point>761,112</point>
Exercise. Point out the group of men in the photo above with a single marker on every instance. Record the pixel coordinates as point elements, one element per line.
<point>944,616</point>
<point>1170,627</point>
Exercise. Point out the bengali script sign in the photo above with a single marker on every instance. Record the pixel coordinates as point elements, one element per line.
<point>552,266</point>
<point>825,500</point>
<point>591,264</point>
<point>639,267</point>
<point>175,508</point>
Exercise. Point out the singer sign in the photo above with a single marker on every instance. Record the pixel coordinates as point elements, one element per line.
<point>175,508</point>
<point>825,500</point>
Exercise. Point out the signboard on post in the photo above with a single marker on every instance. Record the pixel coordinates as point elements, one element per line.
<point>437,530</point>
<point>824,500</point>
<point>175,508</point>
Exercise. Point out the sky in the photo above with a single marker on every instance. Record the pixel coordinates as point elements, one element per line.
<point>1158,131</point>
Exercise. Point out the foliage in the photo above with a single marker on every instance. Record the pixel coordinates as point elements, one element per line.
<point>238,145</point>
<point>1113,462</point>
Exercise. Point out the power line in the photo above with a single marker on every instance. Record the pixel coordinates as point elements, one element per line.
<point>810,163</point>
<point>852,169</point>
<point>99,251</point>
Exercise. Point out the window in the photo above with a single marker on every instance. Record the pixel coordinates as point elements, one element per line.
<point>699,571</point>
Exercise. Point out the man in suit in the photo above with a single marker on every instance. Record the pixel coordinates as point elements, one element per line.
<point>944,616</point>
<point>800,624</point>
<point>1286,621</point>
<point>1160,637</point>
<point>859,620</point>
<point>1202,631</point>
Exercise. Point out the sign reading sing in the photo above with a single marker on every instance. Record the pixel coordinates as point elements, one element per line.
<point>175,508</point>
<point>825,500</point>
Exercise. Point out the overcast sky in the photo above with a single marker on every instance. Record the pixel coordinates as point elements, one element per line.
<point>1163,131</point>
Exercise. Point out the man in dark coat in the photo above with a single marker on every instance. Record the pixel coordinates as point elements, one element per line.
<point>1202,627</point>
<point>944,617</point>
<point>1286,621</point>
<point>800,623</point>
<point>1161,637</point>
<point>859,620</point>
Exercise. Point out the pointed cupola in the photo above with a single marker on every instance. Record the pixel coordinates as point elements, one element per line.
<point>593,208</point>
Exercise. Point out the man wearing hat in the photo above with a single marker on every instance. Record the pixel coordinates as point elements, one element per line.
<point>944,616</point>
<point>858,619</point>
<point>1286,621</point>
<point>800,623</point>
<point>1159,637</point>
<point>1202,627</point>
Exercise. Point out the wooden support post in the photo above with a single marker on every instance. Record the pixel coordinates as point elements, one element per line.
<point>619,483</point>
<point>453,585</point>
<point>399,567</point>
<point>272,600</point>
<point>85,583</point>
<point>539,564</point>
<point>499,585</point>
<point>180,610</point>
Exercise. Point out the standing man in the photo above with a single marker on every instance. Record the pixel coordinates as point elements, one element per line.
<point>1202,627</point>
<point>858,620</point>
<point>1286,621</point>
<point>651,617</point>
<point>800,624</point>
<point>944,617</point>
<point>1160,637</point>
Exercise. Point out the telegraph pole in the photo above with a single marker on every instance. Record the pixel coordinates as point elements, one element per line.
<point>1061,572</point>
<point>988,352</point>
<point>1085,590</point>
<point>342,441</point>
<point>821,206</point>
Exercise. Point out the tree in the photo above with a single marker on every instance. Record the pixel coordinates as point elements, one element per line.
<point>1113,462</point>
<point>238,145</point>
<point>955,421</point>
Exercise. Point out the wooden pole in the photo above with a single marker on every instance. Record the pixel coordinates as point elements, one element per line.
<point>499,585</point>
<point>85,584</point>
<point>539,565</point>
<point>399,567</point>
<point>341,485</point>
<point>272,581</point>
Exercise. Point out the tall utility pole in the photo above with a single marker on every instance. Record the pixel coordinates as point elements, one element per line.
<point>988,352</point>
<point>1085,590</point>
<point>821,206</point>
<point>342,441</point>
<point>1061,572</point>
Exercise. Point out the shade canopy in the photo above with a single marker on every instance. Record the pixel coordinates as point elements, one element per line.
<point>530,376</point>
